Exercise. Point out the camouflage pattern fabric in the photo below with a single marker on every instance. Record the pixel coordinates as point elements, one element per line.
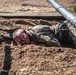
<point>5,37</point>
<point>49,35</point>
<point>43,34</point>
<point>72,32</point>
<point>66,30</point>
<point>8,35</point>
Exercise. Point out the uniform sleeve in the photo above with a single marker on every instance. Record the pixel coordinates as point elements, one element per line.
<point>49,39</point>
<point>5,37</point>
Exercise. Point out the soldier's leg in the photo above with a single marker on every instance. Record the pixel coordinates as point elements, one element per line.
<point>72,33</point>
<point>67,31</point>
<point>60,29</point>
<point>63,30</point>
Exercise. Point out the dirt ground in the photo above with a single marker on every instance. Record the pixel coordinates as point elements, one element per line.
<point>33,59</point>
<point>30,5</point>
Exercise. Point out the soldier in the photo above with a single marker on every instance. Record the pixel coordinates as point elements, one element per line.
<point>43,34</point>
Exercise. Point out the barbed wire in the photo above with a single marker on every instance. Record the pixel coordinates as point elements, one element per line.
<point>59,67</point>
<point>67,29</point>
<point>40,69</point>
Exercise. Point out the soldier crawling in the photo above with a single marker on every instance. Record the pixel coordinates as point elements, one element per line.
<point>43,34</point>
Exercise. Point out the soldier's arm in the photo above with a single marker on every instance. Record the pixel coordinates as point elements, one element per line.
<point>7,36</point>
<point>4,37</point>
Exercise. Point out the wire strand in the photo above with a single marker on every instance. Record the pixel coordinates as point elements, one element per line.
<point>40,69</point>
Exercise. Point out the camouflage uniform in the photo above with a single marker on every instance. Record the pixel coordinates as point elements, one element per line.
<point>52,35</point>
<point>42,34</point>
<point>49,35</point>
<point>67,30</point>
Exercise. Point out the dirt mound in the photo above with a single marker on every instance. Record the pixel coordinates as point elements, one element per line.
<point>33,59</point>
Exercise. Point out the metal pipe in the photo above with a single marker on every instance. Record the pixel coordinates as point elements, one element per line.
<point>64,12</point>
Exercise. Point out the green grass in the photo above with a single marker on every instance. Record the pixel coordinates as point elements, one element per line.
<point>52,11</point>
<point>5,12</point>
<point>70,8</point>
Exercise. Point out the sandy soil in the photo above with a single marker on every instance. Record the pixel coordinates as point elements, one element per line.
<point>30,5</point>
<point>33,59</point>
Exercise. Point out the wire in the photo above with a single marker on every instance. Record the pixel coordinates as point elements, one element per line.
<point>40,69</point>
